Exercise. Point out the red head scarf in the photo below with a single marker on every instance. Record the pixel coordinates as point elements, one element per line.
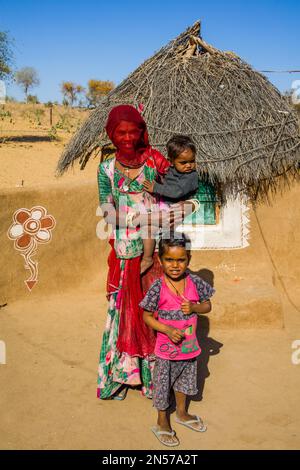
<point>138,156</point>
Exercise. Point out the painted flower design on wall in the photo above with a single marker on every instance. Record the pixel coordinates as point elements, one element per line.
<point>29,228</point>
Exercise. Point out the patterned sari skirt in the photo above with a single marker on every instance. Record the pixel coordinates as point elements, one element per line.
<point>127,351</point>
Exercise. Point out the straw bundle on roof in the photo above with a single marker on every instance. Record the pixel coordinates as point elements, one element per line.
<point>245,131</point>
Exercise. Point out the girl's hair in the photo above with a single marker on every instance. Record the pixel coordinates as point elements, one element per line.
<point>177,144</point>
<point>180,240</point>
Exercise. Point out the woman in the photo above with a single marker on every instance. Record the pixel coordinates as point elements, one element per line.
<point>126,356</point>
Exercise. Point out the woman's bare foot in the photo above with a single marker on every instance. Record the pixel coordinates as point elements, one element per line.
<point>146,263</point>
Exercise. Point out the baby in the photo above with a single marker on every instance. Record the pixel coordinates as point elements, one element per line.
<point>180,182</point>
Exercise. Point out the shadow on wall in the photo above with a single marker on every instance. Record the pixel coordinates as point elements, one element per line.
<point>209,346</point>
<point>206,274</point>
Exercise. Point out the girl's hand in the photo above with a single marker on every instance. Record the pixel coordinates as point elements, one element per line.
<point>187,307</point>
<point>148,186</point>
<point>174,334</point>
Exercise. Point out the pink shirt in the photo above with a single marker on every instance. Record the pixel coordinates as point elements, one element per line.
<point>169,305</point>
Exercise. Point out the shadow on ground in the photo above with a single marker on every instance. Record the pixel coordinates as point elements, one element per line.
<point>26,139</point>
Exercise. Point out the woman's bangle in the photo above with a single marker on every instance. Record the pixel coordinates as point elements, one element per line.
<point>196,204</point>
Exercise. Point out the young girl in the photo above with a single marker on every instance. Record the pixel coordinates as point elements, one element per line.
<point>179,297</point>
<point>179,184</point>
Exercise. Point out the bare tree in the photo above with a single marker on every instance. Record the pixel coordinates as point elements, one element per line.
<point>27,78</point>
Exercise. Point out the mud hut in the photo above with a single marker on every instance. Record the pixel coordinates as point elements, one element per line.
<point>246,133</point>
<point>247,139</point>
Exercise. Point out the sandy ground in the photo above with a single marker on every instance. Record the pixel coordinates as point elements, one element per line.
<point>250,387</point>
<point>28,157</point>
<point>48,386</point>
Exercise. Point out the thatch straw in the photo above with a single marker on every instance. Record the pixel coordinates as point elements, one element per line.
<point>245,132</point>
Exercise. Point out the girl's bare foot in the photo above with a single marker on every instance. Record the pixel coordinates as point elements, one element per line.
<point>146,263</point>
<point>165,435</point>
<point>192,422</point>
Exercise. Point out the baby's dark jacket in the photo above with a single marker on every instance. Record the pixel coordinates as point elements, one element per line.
<point>177,186</point>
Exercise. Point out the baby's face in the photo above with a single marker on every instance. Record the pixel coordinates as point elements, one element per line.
<point>185,162</point>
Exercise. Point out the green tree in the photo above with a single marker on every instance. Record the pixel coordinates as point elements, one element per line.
<point>32,99</point>
<point>97,89</point>
<point>6,56</point>
<point>71,91</point>
<point>27,78</point>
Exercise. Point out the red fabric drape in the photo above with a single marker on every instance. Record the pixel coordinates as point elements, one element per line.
<point>135,337</point>
<point>161,163</point>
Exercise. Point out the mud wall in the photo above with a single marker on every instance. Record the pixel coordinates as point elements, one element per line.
<point>249,282</point>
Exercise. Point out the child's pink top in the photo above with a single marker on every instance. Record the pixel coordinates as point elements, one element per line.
<point>168,304</point>
<point>188,347</point>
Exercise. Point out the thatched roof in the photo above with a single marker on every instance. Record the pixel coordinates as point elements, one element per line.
<point>245,131</point>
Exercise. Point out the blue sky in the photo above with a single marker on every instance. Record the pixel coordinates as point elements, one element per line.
<point>79,40</point>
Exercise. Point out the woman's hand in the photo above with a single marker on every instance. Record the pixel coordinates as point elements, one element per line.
<point>186,207</point>
<point>167,220</point>
<point>164,219</point>
<point>174,334</point>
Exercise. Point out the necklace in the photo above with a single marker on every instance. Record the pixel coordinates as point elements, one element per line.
<point>176,290</point>
<point>126,184</point>
<point>126,168</point>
